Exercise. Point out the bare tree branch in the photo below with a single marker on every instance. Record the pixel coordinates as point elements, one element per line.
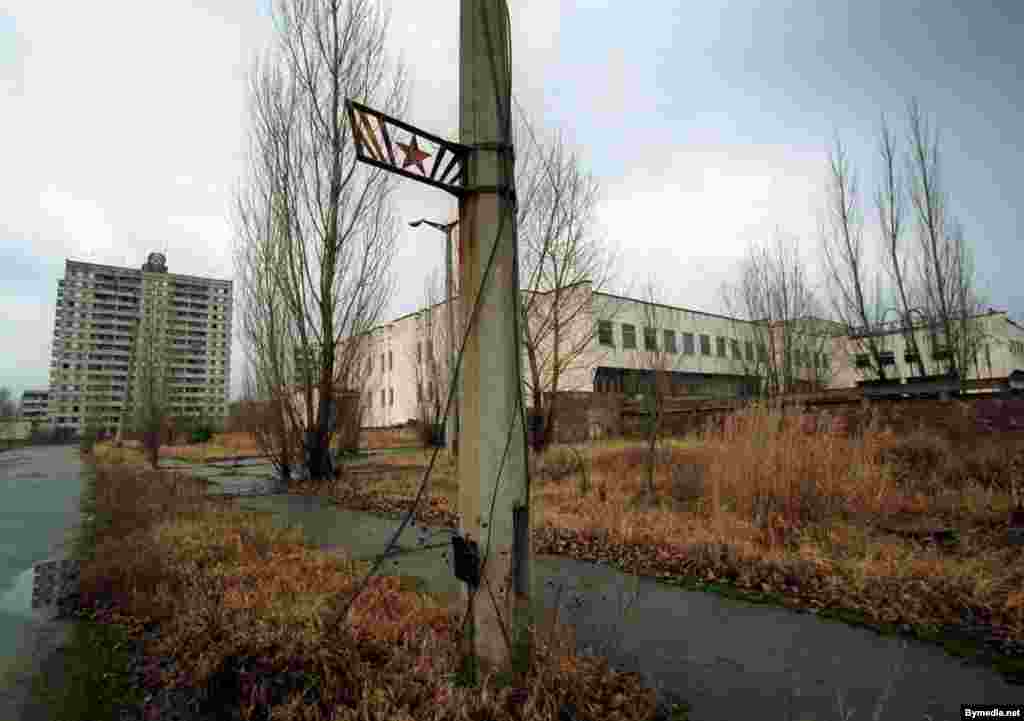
<point>319,226</point>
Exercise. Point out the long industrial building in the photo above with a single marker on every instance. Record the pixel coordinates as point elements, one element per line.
<point>404,365</point>
<point>98,338</point>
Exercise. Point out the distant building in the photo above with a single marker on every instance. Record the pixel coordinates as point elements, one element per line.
<point>35,406</point>
<point>93,374</point>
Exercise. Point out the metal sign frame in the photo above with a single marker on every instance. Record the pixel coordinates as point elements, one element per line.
<point>373,132</point>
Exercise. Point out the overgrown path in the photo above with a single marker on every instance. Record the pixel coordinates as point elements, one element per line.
<point>730,659</point>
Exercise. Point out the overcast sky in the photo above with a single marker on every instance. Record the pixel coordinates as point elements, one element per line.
<point>122,128</point>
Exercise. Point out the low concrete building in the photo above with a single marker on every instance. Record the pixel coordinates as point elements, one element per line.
<point>403,364</point>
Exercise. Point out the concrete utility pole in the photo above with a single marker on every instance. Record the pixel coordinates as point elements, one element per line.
<point>453,418</point>
<point>489,380</point>
<point>493,509</point>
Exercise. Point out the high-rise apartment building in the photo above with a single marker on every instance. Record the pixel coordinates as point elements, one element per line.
<point>108,318</point>
<point>35,406</point>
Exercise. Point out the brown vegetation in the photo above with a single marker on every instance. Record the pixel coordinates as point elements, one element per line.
<point>791,510</point>
<point>250,615</point>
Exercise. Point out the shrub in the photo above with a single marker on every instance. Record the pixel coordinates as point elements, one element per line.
<point>991,463</point>
<point>89,438</point>
<point>559,462</point>
<point>687,482</point>
<point>918,455</point>
<point>201,434</point>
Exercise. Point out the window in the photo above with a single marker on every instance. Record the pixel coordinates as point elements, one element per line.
<point>749,348</point>
<point>688,343</point>
<point>887,357</point>
<point>863,360</point>
<point>735,345</point>
<point>369,364</point>
<point>419,352</point>
<point>628,336</point>
<point>705,344</point>
<point>762,353</point>
<point>670,341</point>
<point>650,339</point>
<point>391,361</point>
<point>381,397</point>
<point>430,348</point>
<point>419,392</point>
<point>430,390</point>
<point>720,346</point>
<point>369,399</point>
<point>391,396</point>
<point>604,333</point>
<point>382,369</point>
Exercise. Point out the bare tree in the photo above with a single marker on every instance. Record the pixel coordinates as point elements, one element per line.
<point>330,219</point>
<point>8,407</point>
<point>265,324</point>
<point>854,297</point>
<point>944,261</point>
<point>561,259</point>
<point>786,319</point>
<point>890,201</point>
<point>150,400</point>
<point>657,357</point>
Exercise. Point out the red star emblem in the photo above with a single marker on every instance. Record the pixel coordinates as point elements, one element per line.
<point>413,155</point>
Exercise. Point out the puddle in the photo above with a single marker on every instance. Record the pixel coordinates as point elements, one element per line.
<point>17,600</point>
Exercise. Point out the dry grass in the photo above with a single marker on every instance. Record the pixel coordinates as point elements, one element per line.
<point>770,504</point>
<point>766,495</point>
<point>250,614</point>
<point>222,445</point>
<point>375,438</point>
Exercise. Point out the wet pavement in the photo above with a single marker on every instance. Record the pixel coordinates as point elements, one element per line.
<point>729,659</point>
<point>39,491</point>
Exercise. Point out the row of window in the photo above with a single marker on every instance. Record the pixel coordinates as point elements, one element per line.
<point>606,337</point>
<point>1017,347</point>
<point>724,347</point>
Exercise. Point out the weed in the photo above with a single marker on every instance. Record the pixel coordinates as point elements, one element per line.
<point>96,682</point>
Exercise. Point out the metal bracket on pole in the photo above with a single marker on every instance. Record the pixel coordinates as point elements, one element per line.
<point>467,560</point>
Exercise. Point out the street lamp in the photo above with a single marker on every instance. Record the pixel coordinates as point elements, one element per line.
<point>446,228</point>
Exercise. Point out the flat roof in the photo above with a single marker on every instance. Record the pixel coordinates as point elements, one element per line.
<point>124,270</point>
<point>673,307</point>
